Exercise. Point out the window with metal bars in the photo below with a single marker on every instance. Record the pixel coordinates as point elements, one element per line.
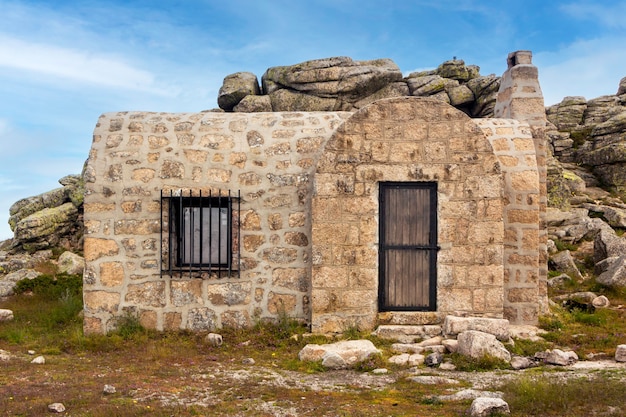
<point>200,234</point>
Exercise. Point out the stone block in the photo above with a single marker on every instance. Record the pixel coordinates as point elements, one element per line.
<point>253,242</point>
<point>95,248</point>
<point>292,278</point>
<point>148,294</point>
<point>148,319</point>
<point>136,227</point>
<point>186,292</point>
<point>454,325</point>
<point>525,180</point>
<point>236,319</point>
<point>281,303</point>
<point>111,274</point>
<point>144,175</point>
<point>329,277</point>
<point>201,319</point>
<point>101,301</point>
<point>92,325</point>
<point>172,321</point>
<point>232,293</point>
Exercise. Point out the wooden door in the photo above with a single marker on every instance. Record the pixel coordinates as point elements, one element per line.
<point>408,246</point>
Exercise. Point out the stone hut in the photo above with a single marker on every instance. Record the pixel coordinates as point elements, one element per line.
<point>400,213</point>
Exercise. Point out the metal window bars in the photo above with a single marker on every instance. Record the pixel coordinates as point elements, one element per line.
<point>200,234</point>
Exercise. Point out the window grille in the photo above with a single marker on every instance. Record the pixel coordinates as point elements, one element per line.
<point>200,234</point>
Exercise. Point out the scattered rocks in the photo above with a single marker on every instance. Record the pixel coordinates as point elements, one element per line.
<point>433,360</point>
<point>56,408</point>
<point>614,274</point>
<point>214,339</point>
<point>620,353</point>
<point>248,361</point>
<point>561,358</point>
<point>485,407</point>
<point>6,315</point>
<point>5,356</point>
<point>350,351</point>
<point>521,362</point>
<point>49,219</point>
<point>71,263</point>
<point>109,389</point>
<point>601,302</point>
<point>477,344</point>
<point>454,325</point>
<point>39,360</point>
<point>406,359</point>
<point>563,261</point>
<point>432,380</point>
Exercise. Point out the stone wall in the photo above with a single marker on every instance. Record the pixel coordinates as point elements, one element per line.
<point>309,210</point>
<point>269,157</point>
<point>524,287</point>
<point>402,140</point>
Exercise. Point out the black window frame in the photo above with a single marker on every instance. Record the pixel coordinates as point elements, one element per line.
<point>186,217</point>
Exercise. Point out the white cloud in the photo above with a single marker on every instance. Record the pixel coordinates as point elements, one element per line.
<point>75,65</point>
<point>608,15</point>
<point>589,68</point>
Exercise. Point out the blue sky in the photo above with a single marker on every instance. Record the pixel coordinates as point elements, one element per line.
<point>63,63</point>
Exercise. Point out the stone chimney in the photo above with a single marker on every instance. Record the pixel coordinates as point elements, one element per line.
<point>520,96</point>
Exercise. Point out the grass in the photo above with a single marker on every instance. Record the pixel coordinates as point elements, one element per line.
<point>177,373</point>
<point>574,398</point>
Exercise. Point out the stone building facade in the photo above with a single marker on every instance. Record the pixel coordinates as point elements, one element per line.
<point>297,200</point>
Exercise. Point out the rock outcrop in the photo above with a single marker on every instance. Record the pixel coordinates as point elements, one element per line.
<point>340,83</point>
<point>50,219</point>
<point>592,134</point>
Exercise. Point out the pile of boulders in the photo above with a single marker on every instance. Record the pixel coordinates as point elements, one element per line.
<point>19,266</point>
<point>342,84</point>
<point>51,219</point>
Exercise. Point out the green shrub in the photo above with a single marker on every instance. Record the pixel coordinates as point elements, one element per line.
<point>576,397</point>
<point>128,326</point>
<point>550,323</point>
<point>51,287</point>
<point>524,347</point>
<point>561,245</point>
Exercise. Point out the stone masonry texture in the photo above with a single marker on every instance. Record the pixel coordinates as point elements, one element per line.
<point>309,213</point>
